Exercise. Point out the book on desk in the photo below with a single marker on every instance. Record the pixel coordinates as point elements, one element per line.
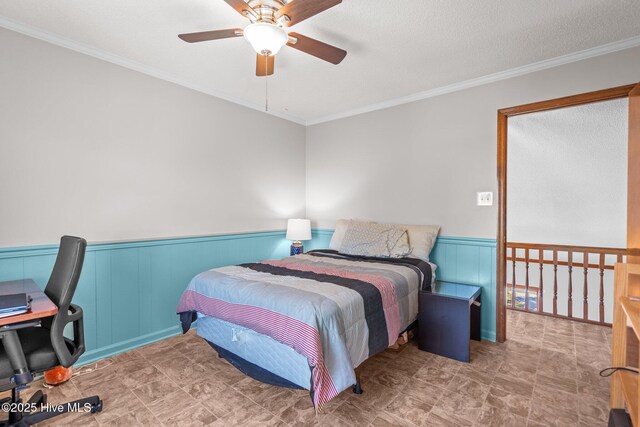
<point>14,304</point>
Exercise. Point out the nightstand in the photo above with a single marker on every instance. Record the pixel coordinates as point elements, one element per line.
<point>449,317</point>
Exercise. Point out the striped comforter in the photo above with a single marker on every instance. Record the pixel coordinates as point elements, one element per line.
<point>335,310</point>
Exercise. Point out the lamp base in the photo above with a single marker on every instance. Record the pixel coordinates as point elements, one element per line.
<point>296,248</point>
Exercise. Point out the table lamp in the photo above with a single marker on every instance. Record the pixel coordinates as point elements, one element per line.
<point>297,230</point>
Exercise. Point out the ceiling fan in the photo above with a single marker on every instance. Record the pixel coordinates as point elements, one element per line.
<point>267,34</point>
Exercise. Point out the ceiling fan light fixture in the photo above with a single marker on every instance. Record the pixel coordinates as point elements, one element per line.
<point>265,38</point>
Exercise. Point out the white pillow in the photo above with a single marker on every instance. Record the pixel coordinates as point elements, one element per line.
<point>338,234</point>
<point>421,237</point>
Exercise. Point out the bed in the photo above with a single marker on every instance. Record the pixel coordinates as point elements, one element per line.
<point>306,321</point>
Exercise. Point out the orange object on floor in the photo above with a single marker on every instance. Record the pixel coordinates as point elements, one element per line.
<point>58,375</point>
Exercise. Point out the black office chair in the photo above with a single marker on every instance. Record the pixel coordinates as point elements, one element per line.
<point>36,346</point>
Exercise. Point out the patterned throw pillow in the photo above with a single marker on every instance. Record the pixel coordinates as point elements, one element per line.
<point>421,237</point>
<point>402,248</point>
<point>375,240</point>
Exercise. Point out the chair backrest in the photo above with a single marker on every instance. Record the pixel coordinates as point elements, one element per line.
<point>60,289</point>
<point>66,272</point>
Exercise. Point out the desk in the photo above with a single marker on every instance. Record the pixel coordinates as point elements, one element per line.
<point>41,305</point>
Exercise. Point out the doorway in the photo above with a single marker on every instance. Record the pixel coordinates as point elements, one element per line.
<point>538,263</point>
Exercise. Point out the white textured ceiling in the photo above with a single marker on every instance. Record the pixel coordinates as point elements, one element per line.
<point>396,48</point>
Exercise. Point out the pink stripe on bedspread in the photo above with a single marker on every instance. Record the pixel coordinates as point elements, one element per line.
<point>385,286</point>
<point>303,338</point>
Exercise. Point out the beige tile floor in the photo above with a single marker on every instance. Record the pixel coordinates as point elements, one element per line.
<point>545,375</point>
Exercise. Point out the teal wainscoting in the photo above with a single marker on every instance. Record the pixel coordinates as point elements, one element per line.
<point>470,261</point>
<point>459,259</point>
<point>129,291</point>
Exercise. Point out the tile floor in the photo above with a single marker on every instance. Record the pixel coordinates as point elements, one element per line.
<point>545,375</point>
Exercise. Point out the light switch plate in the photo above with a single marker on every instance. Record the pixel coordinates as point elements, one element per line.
<point>485,198</point>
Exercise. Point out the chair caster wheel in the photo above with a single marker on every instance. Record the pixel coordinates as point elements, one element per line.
<point>97,408</point>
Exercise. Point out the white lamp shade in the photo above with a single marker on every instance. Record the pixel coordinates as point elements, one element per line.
<point>265,37</point>
<point>299,229</point>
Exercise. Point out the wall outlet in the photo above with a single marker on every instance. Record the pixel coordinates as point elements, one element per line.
<point>485,198</point>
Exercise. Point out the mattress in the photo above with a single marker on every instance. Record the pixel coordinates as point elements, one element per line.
<point>271,355</point>
<point>333,310</point>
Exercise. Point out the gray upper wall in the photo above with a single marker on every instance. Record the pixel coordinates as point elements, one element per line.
<point>91,148</point>
<point>97,150</point>
<point>423,162</point>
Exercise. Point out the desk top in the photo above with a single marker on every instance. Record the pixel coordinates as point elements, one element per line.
<point>41,305</point>
<point>456,290</point>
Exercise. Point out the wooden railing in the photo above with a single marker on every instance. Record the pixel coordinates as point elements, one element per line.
<point>564,263</point>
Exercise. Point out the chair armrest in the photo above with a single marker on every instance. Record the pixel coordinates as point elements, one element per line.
<point>74,315</point>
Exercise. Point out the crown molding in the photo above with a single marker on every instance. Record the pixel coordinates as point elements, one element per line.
<point>491,78</point>
<point>61,41</point>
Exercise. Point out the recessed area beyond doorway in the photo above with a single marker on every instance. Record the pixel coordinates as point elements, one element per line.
<point>562,171</point>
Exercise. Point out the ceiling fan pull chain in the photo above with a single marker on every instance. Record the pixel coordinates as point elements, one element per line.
<point>266,83</point>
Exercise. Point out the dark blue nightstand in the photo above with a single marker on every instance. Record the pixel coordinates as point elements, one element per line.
<point>449,317</point>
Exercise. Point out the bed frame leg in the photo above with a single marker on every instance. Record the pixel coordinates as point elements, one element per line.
<point>357,389</point>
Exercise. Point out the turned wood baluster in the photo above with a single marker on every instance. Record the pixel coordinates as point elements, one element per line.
<point>526,282</point>
<point>601,267</point>
<point>513,279</point>
<point>541,288</point>
<point>570,302</point>
<point>585,291</point>
<point>555,282</point>
<point>600,258</point>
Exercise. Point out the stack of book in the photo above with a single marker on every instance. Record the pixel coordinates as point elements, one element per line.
<point>14,304</point>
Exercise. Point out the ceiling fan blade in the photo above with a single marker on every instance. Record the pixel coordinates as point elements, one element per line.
<point>241,7</point>
<point>299,10</point>
<point>264,67</point>
<point>316,48</point>
<point>211,35</point>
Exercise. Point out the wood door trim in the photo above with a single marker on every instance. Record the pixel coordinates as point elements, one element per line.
<point>501,242</point>
<point>633,177</point>
<point>503,121</point>
<point>570,101</point>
